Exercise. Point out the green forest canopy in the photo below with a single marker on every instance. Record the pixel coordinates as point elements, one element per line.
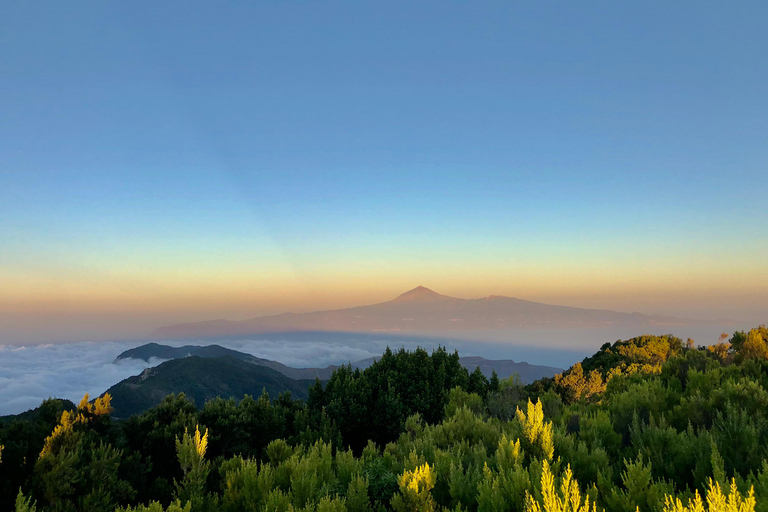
<point>651,424</point>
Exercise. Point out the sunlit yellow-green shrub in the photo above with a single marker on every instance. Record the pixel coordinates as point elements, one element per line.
<point>24,504</point>
<point>191,453</point>
<point>84,413</point>
<point>537,432</point>
<point>568,499</point>
<point>716,501</point>
<point>415,487</point>
<point>156,507</point>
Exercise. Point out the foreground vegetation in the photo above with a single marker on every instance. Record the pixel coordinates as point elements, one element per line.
<point>649,424</point>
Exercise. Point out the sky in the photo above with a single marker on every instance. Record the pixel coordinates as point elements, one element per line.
<point>181,161</point>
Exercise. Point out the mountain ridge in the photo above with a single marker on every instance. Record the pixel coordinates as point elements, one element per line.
<point>421,293</point>
<point>504,367</point>
<point>422,310</point>
<point>156,350</point>
<point>200,379</point>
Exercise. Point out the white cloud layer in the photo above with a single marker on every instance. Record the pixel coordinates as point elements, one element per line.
<point>30,374</point>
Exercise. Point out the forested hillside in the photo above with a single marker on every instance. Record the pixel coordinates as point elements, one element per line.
<point>651,424</point>
<point>200,379</point>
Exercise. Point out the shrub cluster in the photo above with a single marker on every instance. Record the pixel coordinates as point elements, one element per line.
<point>647,424</point>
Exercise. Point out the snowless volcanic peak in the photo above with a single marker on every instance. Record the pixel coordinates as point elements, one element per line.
<point>421,294</point>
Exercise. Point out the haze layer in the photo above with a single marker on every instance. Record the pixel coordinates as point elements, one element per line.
<point>162,165</point>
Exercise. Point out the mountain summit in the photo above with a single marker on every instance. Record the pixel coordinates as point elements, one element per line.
<point>420,311</point>
<point>421,294</point>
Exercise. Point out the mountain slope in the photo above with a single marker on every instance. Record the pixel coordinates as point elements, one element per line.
<point>201,379</point>
<point>420,311</point>
<point>150,350</point>
<point>504,367</point>
<point>421,294</point>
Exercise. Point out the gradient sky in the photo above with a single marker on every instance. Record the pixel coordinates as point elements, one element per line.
<point>175,161</point>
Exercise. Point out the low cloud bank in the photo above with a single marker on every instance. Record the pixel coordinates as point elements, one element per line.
<point>30,374</point>
<point>306,354</point>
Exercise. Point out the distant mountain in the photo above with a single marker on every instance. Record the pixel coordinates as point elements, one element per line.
<point>422,310</point>
<point>155,350</point>
<point>504,368</point>
<point>201,379</point>
<point>421,294</point>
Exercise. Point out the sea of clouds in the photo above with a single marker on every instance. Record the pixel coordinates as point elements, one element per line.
<point>30,374</point>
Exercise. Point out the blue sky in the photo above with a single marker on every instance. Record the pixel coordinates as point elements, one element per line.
<point>251,157</point>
